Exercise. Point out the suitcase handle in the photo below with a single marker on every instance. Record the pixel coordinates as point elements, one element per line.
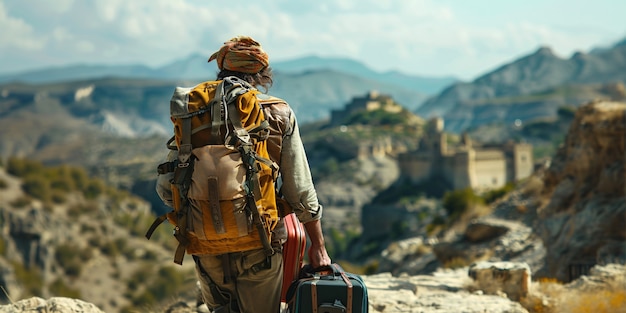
<point>332,271</point>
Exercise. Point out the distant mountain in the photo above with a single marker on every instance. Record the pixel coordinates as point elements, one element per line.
<point>78,72</point>
<point>312,85</point>
<point>142,106</point>
<point>36,118</point>
<point>424,85</point>
<point>195,68</point>
<point>534,74</point>
<point>314,94</point>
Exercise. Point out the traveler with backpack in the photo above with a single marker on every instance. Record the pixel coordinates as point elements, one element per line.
<point>237,152</point>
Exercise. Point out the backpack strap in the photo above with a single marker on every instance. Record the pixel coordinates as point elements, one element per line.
<point>251,185</point>
<point>182,181</point>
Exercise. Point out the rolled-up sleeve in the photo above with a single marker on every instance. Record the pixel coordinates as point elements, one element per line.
<point>297,183</point>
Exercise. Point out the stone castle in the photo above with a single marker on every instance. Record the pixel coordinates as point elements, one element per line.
<point>370,102</point>
<point>465,165</point>
<point>468,164</point>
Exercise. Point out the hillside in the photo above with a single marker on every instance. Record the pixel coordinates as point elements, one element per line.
<point>313,84</point>
<point>553,244</point>
<point>66,234</point>
<point>131,107</point>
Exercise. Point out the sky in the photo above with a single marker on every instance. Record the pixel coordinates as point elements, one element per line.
<point>460,38</point>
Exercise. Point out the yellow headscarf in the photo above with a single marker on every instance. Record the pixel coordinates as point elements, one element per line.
<point>241,54</point>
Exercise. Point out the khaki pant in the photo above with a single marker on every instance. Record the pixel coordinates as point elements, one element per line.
<point>254,287</point>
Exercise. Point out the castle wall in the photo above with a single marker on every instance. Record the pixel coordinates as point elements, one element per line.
<point>447,169</point>
<point>417,167</point>
<point>464,169</point>
<point>490,170</point>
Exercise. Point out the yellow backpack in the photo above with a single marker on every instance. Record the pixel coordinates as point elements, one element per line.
<point>223,185</point>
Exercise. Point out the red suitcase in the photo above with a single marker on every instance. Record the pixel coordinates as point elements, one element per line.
<point>293,252</point>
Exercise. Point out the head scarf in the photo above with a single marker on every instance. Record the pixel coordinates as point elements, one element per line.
<point>241,54</point>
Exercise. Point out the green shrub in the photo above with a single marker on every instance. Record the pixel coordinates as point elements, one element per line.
<point>85,254</point>
<point>121,244</point>
<point>21,202</point>
<point>3,247</point>
<point>95,241</point>
<point>117,195</point>
<point>58,197</point>
<point>85,229</point>
<point>47,207</point>
<point>58,288</point>
<point>143,299</point>
<point>165,284</point>
<point>82,209</point>
<point>22,167</point>
<point>68,256</point>
<point>376,117</point>
<point>30,278</point>
<point>79,177</point>
<point>150,255</point>
<point>94,188</point>
<point>109,248</point>
<point>3,184</point>
<point>493,195</point>
<point>37,187</point>
<point>62,183</point>
<point>458,202</point>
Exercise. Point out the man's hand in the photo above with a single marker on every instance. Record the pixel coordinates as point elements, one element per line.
<point>318,256</point>
<point>317,252</point>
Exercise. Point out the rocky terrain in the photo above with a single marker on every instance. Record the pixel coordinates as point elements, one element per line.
<point>448,291</point>
<point>554,244</point>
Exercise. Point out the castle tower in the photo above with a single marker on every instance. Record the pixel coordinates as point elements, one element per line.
<point>519,160</point>
<point>464,169</point>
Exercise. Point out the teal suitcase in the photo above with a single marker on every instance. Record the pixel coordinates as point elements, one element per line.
<point>327,290</point>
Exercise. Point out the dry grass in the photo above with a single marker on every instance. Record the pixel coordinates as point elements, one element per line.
<point>549,296</point>
<point>604,301</point>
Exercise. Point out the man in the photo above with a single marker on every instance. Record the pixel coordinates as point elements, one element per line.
<point>253,288</point>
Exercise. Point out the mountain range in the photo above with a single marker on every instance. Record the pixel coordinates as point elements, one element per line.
<point>531,87</point>
<point>196,67</point>
<point>57,114</point>
<point>312,85</point>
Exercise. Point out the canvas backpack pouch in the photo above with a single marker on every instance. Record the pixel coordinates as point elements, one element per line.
<point>216,196</point>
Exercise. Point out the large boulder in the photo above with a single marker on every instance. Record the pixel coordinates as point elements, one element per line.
<point>52,305</point>
<point>584,219</point>
<point>512,279</point>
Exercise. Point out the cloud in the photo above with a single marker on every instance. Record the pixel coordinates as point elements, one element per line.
<point>22,35</point>
<point>416,36</point>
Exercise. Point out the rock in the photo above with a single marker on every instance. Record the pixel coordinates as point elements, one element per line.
<point>478,230</point>
<point>442,292</point>
<point>410,256</point>
<point>179,307</point>
<point>512,279</point>
<point>52,305</point>
<point>600,276</point>
<point>497,240</point>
